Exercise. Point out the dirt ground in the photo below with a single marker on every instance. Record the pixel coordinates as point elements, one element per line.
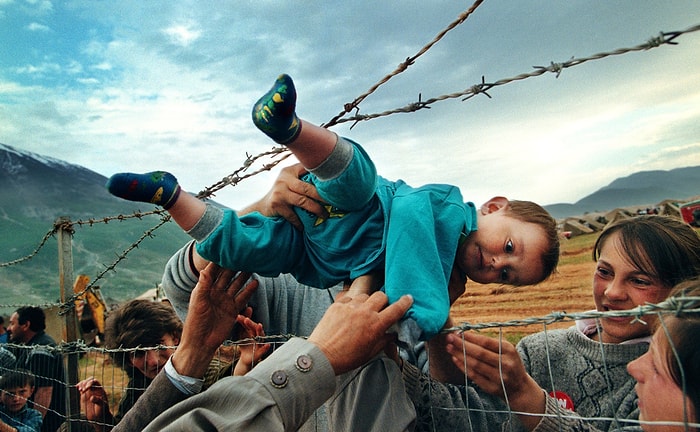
<point>569,290</point>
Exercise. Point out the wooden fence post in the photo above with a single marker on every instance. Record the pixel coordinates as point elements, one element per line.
<point>65,269</point>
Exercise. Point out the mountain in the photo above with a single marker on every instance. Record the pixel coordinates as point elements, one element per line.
<point>36,190</point>
<point>645,188</point>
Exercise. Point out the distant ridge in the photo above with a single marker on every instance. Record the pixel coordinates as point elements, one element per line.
<point>642,189</point>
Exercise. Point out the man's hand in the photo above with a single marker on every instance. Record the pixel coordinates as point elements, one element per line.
<point>354,329</point>
<point>288,192</point>
<point>214,306</point>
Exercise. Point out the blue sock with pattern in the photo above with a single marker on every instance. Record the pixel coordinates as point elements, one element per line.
<point>274,112</point>
<point>157,187</point>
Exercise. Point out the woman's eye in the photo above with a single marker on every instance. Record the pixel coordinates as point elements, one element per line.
<point>504,275</point>
<point>603,271</point>
<point>641,283</point>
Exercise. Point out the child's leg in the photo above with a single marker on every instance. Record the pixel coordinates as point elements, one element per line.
<point>274,115</point>
<point>160,188</point>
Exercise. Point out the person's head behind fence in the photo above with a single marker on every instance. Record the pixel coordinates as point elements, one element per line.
<point>139,323</point>
<point>668,375</point>
<point>16,379</point>
<point>34,315</point>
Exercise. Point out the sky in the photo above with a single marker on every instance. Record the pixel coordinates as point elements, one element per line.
<point>168,85</point>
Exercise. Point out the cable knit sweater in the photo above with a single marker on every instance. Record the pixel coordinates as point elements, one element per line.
<point>592,374</point>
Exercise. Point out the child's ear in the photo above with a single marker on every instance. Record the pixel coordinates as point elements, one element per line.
<point>494,204</point>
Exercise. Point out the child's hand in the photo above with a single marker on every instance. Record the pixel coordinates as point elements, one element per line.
<point>93,400</point>
<point>251,352</point>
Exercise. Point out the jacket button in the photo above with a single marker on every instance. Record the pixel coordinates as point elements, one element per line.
<point>279,379</point>
<point>304,363</point>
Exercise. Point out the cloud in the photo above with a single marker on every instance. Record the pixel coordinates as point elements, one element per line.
<point>38,27</point>
<point>182,34</point>
<point>40,69</point>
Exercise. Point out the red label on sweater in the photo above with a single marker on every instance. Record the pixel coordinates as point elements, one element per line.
<point>563,399</point>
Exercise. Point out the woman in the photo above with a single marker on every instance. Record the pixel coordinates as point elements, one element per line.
<point>668,375</point>
<point>584,367</point>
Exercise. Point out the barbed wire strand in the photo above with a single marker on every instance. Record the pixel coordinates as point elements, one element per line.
<point>281,153</point>
<point>664,38</point>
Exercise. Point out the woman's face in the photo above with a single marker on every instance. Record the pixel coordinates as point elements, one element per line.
<point>660,398</point>
<point>618,285</point>
<point>150,362</point>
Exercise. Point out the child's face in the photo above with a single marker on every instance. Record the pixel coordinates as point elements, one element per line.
<point>619,285</point>
<point>660,398</point>
<point>503,250</point>
<point>150,362</point>
<point>15,398</point>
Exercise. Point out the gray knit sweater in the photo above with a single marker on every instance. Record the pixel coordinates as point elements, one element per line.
<point>592,374</point>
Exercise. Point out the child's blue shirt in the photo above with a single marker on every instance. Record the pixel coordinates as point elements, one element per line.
<point>25,420</point>
<point>412,233</point>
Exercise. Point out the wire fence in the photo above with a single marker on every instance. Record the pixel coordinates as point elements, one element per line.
<point>121,380</point>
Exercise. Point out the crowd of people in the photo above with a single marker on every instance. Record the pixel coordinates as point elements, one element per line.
<point>366,291</point>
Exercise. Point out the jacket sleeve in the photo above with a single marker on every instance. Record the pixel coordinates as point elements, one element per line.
<point>279,394</point>
<point>158,397</point>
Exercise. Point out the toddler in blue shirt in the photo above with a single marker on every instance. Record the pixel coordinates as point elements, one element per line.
<point>418,236</point>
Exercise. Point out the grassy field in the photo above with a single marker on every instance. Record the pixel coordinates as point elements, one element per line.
<point>569,290</point>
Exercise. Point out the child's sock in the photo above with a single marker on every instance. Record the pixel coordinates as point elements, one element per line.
<point>274,112</point>
<point>157,187</point>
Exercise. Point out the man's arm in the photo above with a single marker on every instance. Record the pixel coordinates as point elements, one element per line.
<point>216,301</point>
<point>285,389</point>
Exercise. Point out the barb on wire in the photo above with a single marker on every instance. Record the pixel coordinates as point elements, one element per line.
<point>70,301</point>
<point>556,68</point>
<point>479,88</point>
<point>403,66</point>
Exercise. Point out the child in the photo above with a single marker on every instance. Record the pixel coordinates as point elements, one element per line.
<point>17,387</point>
<point>418,235</point>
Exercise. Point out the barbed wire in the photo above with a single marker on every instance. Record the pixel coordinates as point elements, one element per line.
<point>663,38</point>
<point>675,305</point>
<point>68,226</point>
<point>404,65</point>
<point>279,154</point>
<point>69,302</point>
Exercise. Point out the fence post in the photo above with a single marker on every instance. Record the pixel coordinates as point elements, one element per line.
<point>65,269</point>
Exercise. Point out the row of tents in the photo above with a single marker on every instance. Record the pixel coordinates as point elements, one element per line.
<point>595,221</point>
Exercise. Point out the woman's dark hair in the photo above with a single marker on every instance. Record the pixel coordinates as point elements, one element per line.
<point>684,330</point>
<point>661,246</point>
